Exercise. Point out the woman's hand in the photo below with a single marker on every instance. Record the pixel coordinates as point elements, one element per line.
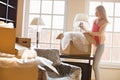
<point>89,32</point>
<point>81,25</point>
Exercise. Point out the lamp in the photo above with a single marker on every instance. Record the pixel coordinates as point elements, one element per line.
<point>80,18</point>
<point>37,21</point>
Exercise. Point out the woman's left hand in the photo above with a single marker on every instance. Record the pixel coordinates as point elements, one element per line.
<point>89,32</point>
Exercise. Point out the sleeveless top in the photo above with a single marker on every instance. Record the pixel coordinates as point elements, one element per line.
<point>96,28</point>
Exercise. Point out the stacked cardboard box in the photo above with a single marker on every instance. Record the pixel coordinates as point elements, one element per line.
<point>7,40</point>
<point>24,42</point>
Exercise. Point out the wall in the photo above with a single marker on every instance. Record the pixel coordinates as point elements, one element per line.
<point>108,74</point>
<point>74,6</point>
<point>19,18</point>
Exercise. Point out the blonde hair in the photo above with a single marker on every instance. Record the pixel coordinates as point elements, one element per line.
<point>102,12</point>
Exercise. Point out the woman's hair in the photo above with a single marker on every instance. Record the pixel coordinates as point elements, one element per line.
<point>102,12</point>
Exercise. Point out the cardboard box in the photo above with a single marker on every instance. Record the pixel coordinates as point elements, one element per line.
<point>19,73</point>
<point>7,40</point>
<point>72,50</point>
<point>24,42</point>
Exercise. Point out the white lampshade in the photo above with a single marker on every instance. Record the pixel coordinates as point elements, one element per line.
<point>37,21</point>
<point>80,17</point>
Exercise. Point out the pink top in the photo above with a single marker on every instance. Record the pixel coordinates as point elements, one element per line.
<point>96,28</point>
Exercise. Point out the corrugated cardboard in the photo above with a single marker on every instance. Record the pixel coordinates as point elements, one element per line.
<point>19,73</point>
<point>72,50</point>
<point>7,40</point>
<point>24,42</point>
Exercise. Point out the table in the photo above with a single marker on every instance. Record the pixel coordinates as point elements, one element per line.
<point>86,67</point>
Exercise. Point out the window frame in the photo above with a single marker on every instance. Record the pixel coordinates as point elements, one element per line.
<point>26,14</point>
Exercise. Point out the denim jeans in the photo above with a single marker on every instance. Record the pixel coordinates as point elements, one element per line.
<point>96,61</point>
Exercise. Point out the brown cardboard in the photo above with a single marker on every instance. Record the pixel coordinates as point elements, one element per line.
<point>89,38</point>
<point>19,73</point>
<point>24,42</point>
<point>7,40</point>
<point>72,50</point>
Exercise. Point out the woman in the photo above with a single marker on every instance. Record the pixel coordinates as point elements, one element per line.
<point>98,33</point>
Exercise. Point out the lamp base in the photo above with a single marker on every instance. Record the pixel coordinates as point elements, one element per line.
<point>37,40</point>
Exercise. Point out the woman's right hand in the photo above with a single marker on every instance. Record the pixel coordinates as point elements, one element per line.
<point>81,25</point>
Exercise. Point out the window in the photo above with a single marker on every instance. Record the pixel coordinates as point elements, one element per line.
<point>112,44</point>
<point>53,14</point>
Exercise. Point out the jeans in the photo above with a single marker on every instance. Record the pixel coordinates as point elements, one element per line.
<point>96,61</point>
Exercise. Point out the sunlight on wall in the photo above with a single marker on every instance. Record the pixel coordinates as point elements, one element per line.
<point>74,7</point>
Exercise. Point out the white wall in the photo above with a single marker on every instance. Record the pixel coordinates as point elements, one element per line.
<point>74,6</point>
<point>108,74</point>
